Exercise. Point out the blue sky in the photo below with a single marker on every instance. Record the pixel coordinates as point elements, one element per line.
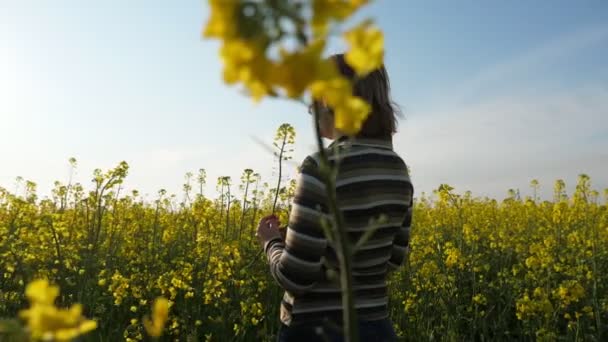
<point>494,93</point>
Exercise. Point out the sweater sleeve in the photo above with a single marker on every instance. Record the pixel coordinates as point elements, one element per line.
<point>296,264</point>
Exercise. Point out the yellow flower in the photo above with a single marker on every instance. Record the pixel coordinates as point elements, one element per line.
<point>40,292</point>
<point>257,89</point>
<point>332,91</point>
<point>160,314</point>
<point>46,321</point>
<point>350,112</point>
<point>479,299</point>
<point>326,10</point>
<point>366,52</point>
<point>237,55</point>
<point>223,19</point>
<point>298,69</point>
<point>350,116</point>
<point>245,62</point>
<point>577,291</point>
<point>50,322</point>
<point>452,256</point>
<point>409,304</point>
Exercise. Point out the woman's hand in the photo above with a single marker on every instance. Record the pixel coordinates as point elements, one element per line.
<point>268,229</point>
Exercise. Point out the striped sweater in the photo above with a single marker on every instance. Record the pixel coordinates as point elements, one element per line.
<point>372,180</point>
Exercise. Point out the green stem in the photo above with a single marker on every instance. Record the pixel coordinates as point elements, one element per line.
<point>342,245</point>
<point>276,193</point>
<point>244,204</point>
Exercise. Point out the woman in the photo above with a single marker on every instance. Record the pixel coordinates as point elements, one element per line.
<point>372,180</point>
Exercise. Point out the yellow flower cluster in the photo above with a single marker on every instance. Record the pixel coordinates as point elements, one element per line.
<point>160,313</point>
<point>246,61</point>
<point>453,257</point>
<point>47,322</point>
<point>530,268</point>
<point>367,48</point>
<point>325,11</point>
<point>538,265</point>
<point>537,305</point>
<point>569,292</point>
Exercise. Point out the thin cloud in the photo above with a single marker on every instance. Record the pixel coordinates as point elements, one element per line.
<point>508,137</point>
<point>505,142</point>
<point>553,50</point>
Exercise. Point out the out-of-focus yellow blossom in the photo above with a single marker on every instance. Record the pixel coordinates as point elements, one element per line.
<point>238,57</point>
<point>337,10</point>
<point>350,116</point>
<point>40,292</point>
<point>45,321</point>
<point>350,112</point>
<point>296,70</point>
<point>245,62</point>
<point>223,19</point>
<point>366,52</point>
<point>160,313</point>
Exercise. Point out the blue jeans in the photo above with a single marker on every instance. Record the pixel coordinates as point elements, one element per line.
<point>373,331</point>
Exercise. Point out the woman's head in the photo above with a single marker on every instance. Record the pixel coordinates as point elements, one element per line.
<point>374,88</point>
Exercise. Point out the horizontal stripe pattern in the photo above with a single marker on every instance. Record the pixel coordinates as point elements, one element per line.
<point>372,180</point>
